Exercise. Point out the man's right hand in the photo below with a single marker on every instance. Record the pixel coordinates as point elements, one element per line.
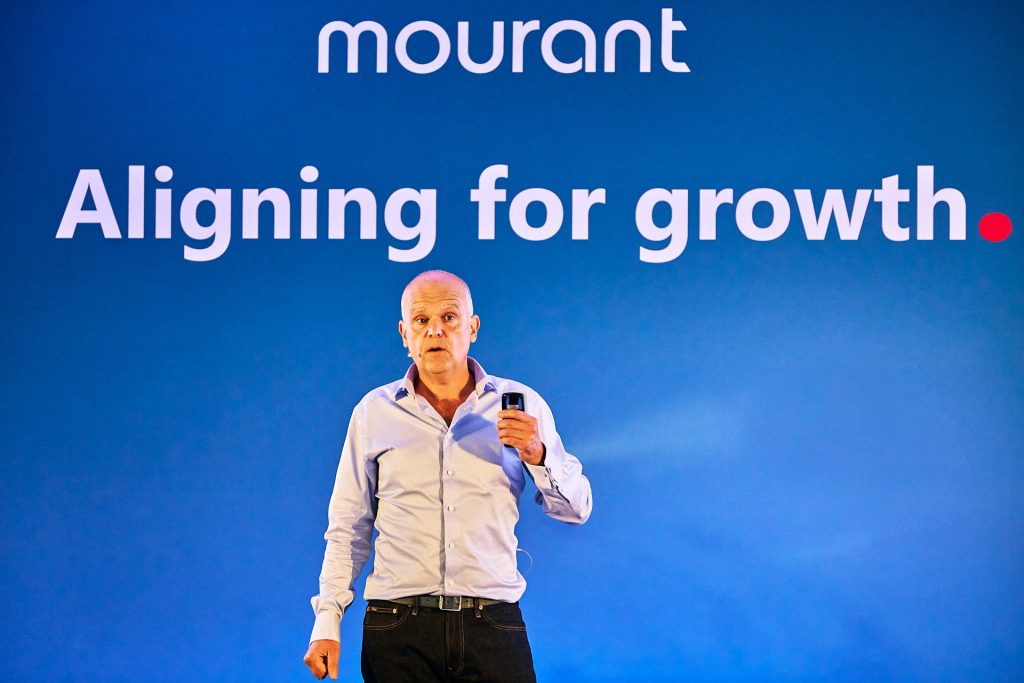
<point>322,658</point>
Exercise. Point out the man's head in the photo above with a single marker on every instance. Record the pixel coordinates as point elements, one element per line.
<point>437,323</point>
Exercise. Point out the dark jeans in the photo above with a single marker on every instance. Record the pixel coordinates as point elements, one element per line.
<point>402,643</point>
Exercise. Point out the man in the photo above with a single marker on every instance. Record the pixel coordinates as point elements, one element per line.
<point>436,467</point>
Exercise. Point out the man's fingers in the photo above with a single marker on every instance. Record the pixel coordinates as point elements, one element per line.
<point>506,433</point>
<point>318,658</point>
<point>315,662</point>
<point>516,415</point>
<point>526,427</point>
<point>333,650</point>
<point>510,439</point>
<point>518,430</point>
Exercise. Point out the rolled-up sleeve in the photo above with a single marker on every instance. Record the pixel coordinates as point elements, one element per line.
<point>563,492</point>
<point>349,530</point>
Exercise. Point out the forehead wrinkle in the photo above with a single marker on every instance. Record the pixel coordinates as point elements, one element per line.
<point>444,303</point>
<point>453,287</point>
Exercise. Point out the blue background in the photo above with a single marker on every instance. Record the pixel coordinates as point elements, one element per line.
<point>806,456</point>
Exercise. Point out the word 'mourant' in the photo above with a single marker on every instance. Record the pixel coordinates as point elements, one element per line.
<point>520,35</point>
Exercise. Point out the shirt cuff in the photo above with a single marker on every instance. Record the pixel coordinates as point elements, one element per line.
<point>326,627</point>
<point>541,476</point>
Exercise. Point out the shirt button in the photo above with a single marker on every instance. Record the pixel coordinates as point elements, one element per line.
<point>450,473</point>
<point>451,545</point>
<point>451,582</point>
<point>451,508</point>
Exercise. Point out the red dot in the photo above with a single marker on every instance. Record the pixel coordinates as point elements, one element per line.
<point>995,227</point>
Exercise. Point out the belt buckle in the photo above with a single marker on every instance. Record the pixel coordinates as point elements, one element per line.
<point>450,603</point>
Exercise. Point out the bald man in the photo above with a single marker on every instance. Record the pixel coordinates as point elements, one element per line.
<point>434,465</point>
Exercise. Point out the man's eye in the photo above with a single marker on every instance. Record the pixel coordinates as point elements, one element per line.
<point>421,321</point>
<point>450,317</point>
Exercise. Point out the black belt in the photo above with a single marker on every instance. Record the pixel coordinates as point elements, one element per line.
<point>448,603</point>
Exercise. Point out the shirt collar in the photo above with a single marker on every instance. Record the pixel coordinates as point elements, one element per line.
<point>484,382</point>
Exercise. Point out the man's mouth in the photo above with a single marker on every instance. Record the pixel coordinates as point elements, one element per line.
<point>436,348</point>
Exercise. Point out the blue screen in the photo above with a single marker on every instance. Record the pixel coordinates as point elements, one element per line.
<point>805,447</point>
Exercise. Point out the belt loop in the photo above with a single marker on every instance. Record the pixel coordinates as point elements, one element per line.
<point>479,608</point>
<point>415,605</point>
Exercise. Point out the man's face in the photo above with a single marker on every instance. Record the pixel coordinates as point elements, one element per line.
<point>438,326</point>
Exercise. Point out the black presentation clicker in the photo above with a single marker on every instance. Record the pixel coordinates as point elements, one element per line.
<point>513,400</point>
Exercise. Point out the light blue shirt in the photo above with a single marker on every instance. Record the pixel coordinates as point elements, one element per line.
<point>444,500</point>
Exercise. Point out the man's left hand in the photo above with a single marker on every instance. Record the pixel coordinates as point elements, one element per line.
<point>519,430</point>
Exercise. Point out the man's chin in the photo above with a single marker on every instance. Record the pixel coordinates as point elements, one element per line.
<point>438,362</point>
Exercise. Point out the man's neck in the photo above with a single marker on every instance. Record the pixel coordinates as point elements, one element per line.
<point>456,387</point>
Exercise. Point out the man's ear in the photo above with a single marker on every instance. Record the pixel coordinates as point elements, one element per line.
<point>474,327</point>
<point>401,331</point>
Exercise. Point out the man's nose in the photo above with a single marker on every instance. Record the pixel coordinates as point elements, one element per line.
<point>434,329</point>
